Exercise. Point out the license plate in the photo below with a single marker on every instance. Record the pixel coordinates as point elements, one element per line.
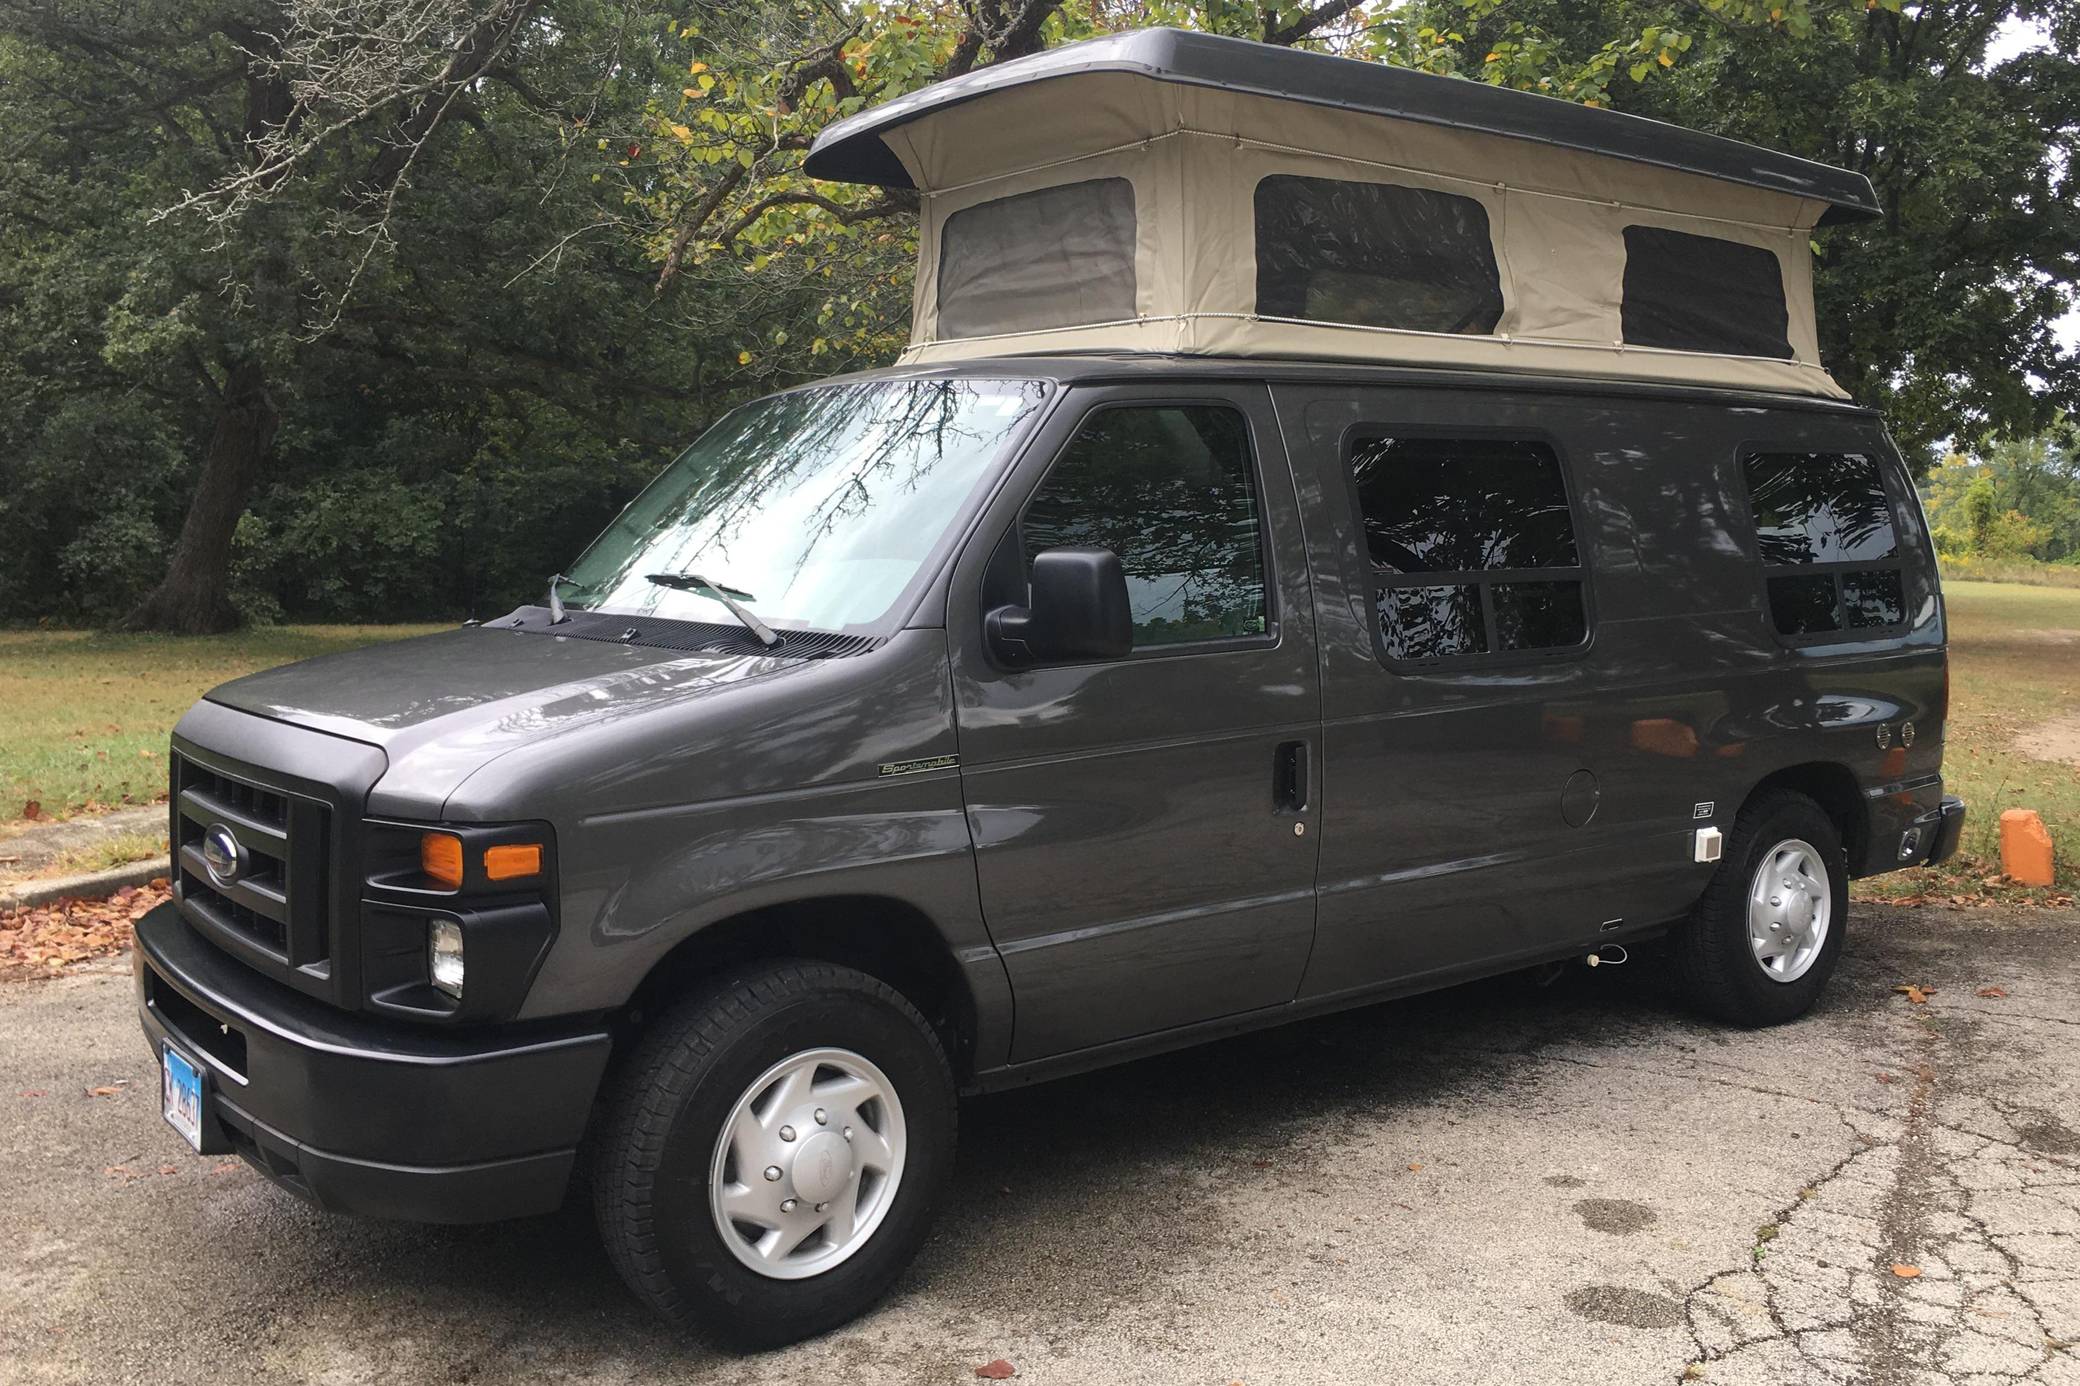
<point>180,1091</point>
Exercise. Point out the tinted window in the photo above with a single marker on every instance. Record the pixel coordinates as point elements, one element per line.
<point>1058,257</point>
<point>1376,255</point>
<point>1171,490</point>
<point>1472,546</point>
<point>1819,507</point>
<point>1702,293</point>
<point>1824,528</point>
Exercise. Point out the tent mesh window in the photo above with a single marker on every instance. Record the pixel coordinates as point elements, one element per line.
<point>1472,547</point>
<point>1056,257</point>
<point>1702,293</point>
<point>1375,255</point>
<point>1824,526</point>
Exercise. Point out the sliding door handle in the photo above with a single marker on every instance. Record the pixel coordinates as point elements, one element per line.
<point>1289,778</point>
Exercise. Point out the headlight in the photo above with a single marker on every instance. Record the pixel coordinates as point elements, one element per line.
<point>444,956</point>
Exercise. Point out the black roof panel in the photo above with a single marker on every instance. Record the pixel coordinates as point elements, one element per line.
<point>852,151</point>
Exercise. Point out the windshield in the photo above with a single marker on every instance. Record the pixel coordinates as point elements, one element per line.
<point>814,509</point>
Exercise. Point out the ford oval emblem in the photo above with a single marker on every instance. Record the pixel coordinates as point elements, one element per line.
<point>223,856</point>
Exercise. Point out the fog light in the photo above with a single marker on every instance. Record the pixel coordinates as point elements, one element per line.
<point>444,956</point>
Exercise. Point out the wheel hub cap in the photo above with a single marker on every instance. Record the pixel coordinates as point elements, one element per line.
<point>1790,908</point>
<point>823,1167</point>
<point>807,1163</point>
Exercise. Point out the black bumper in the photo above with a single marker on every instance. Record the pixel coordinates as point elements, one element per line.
<point>1914,824</point>
<point>1948,829</point>
<point>363,1115</point>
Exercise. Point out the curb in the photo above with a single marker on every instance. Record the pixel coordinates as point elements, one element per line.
<point>94,885</point>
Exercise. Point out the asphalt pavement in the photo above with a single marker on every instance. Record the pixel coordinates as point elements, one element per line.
<point>1497,1184</point>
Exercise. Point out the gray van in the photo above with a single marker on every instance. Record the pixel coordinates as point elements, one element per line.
<point>1286,572</point>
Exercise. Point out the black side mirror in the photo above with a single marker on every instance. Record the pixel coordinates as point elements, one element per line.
<point>1079,611</point>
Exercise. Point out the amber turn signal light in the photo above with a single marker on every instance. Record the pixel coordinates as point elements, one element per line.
<point>440,858</point>
<point>514,861</point>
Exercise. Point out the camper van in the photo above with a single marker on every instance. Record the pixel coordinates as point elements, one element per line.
<point>1336,532</point>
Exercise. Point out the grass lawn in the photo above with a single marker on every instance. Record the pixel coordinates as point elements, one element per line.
<point>86,716</point>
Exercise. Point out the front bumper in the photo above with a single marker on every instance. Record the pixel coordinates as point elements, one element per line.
<point>364,1115</point>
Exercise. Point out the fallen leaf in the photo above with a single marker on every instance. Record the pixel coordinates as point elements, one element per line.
<point>45,940</point>
<point>1694,1372</point>
<point>1415,1169</point>
<point>999,1370</point>
<point>1991,993</point>
<point>223,1167</point>
<point>32,810</point>
<point>1888,1077</point>
<point>1916,995</point>
<point>103,1091</point>
<point>32,1092</point>
<point>169,1169</point>
<point>1905,1272</point>
<point>1260,1164</point>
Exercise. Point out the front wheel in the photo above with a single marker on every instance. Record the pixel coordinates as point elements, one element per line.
<point>773,1152</point>
<point>1762,941</point>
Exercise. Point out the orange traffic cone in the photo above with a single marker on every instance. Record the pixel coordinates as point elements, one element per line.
<point>2025,847</point>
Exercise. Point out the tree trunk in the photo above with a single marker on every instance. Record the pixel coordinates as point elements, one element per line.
<point>194,598</point>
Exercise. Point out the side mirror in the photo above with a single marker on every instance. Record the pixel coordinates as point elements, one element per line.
<point>1079,611</point>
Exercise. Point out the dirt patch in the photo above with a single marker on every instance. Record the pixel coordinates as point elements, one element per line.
<point>1618,1216</point>
<point>2056,740</point>
<point>1626,1308</point>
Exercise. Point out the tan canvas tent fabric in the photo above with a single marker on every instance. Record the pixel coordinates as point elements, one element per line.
<point>1193,128</point>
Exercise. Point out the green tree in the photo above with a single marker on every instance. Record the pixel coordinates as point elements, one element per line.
<point>2019,499</point>
<point>419,354</point>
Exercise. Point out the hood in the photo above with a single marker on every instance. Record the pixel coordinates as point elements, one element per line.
<point>442,705</point>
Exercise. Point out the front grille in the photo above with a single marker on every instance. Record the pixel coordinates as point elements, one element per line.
<point>274,902</point>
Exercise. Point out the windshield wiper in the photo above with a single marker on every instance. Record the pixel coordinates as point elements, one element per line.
<point>728,596</point>
<point>557,615</point>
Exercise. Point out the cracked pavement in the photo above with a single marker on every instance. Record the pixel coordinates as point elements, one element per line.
<point>1578,1183</point>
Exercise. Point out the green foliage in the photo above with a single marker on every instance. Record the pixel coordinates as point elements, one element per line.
<point>2020,499</point>
<point>500,381</point>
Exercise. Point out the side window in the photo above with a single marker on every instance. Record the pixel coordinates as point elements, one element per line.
<point>1375,255</point>
<point>1055,257</point>
<point>1823,523</point>
<point>1172,491</point>
<point>1702,293</point>
<point>1472,546</point>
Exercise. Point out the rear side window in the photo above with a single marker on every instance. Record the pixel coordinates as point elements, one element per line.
<point>1472,546</point>
<point>1830,556</point>
<point>1375,255</point>
<point>1702,293</point>
<point>1171,489</point>
<point>1058,257</point>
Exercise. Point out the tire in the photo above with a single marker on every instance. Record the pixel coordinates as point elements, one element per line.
<point>661,1166</point>
<point>1714,952</point>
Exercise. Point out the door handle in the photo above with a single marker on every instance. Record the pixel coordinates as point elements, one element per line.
<point>1289,778</point>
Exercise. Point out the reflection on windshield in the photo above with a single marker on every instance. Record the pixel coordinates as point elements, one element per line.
<point>815,508</point>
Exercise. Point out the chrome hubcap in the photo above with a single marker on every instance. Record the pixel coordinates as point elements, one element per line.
<point>1790,907</point>
<point>807,1164</point>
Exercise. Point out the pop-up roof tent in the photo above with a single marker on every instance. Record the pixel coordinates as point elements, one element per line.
<point>1178,192</point>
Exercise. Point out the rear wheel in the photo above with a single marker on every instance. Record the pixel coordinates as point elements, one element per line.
<point>1762,941</point>
<point>773,1152</point>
